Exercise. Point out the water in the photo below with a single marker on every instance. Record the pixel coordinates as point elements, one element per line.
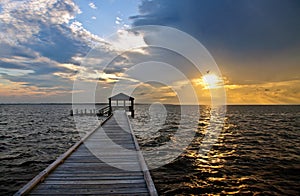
<point>258,151</point>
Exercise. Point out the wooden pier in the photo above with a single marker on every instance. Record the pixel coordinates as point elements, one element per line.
<point>121,100</point>
<point>104,111</point>
<point>94,167</point>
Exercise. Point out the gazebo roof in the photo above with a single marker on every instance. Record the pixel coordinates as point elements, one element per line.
<point>121,96</point>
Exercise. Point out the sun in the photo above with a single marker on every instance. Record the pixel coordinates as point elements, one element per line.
<point>211,81</point>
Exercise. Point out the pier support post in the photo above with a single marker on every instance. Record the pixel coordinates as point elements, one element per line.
<point>132,106</point>
<point>110,108</point>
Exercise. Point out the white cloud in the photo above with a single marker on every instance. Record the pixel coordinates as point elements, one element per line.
<point>38,40</point>
<point>94,17</point>
<point>21,21</point>
<point>42,46</point>
<point>125,40</point>
<point>118,20</point>
<point>80,32</point>
<point>14,72</point>
<point>126,26</point>
<point>92,5</point>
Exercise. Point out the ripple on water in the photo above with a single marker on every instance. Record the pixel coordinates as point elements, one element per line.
<point>257,151</point>
<point>32,137</point>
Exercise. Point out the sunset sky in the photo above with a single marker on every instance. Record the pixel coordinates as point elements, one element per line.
<point>44,43</point>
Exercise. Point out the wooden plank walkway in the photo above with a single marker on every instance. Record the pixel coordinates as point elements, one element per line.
<point>107,162</point>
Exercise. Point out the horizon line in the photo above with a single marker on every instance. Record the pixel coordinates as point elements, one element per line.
<point>102,103</point>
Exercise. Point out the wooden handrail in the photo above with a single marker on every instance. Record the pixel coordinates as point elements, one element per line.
<point>43,174</point>
<point>147,175</point>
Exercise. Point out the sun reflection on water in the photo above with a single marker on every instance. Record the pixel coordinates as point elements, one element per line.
<point>247,159</point>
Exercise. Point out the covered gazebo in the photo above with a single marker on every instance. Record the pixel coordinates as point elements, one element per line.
<point>122,101</point>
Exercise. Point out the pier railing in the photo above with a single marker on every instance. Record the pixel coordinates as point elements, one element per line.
<point>79,171</point>
<point>105,111</point>
<point>43,174</point>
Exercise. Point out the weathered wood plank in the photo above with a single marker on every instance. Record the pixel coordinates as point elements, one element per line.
<point>109,174</point>
<point>122,192</point>
<point>31,184</point>
<point>93,181</point>
<point>88,168</point>
<point>111,160</point>
<point>93,186</point>
<point>64,178</point>
<point>98,168</point>
<point>94,191</point>
<point>96,194</point>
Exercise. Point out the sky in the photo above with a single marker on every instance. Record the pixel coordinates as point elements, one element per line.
<point>47,45</point>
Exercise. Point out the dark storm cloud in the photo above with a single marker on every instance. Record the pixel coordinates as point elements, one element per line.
<point>7,51</point>
<point>11,65</point>
<point>240,26</point>
<point>58,44</point>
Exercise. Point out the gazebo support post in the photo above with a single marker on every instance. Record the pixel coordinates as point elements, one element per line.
<point>110,108</point>
<point>122,97</point>
<point>132,109</point>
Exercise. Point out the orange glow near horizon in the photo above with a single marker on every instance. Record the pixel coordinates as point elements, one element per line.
<point>281,92</point>
<point>211,81</point>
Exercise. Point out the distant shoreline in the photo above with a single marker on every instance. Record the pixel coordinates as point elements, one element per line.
<point>146,104</point>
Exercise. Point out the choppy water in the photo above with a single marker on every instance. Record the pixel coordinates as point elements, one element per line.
<point>258,151</point>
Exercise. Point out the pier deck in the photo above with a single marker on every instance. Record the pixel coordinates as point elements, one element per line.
<point>107,162</point>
